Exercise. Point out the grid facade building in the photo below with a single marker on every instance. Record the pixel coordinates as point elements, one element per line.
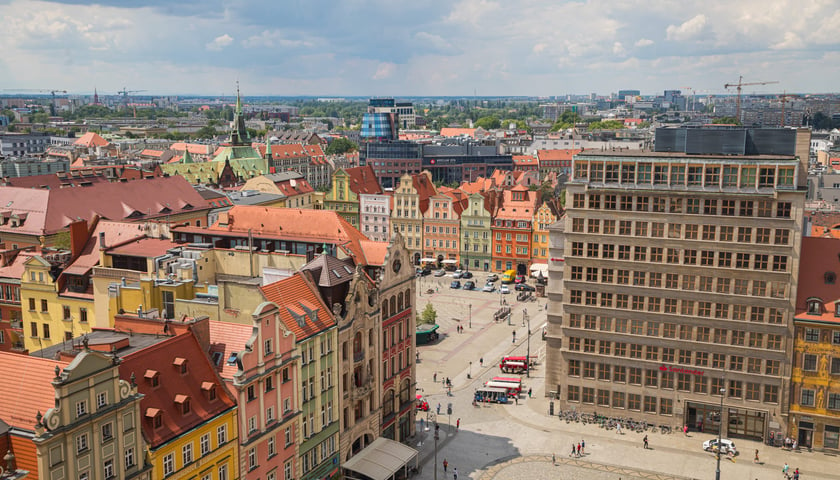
<point>674,276</point>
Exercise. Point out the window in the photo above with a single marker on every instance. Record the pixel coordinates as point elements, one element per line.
<point>81,443</point>
<point>223,472</point>
<point>187,453</point>
<point>81,408</point>
<point>169,464</point>
<point>809,362</point>
<point>783,209</point>
<point>101,399</point>
<point>204,444</point>
<point>44,307</point>
<point>812,334</point>
<point>272,447</point>
<point>221,435</point>
<point>252,459</point>
<point>807,397</point>
<point>108,468</point>
<point>107,431</point>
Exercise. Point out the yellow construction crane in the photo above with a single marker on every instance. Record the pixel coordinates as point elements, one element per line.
<point>738,86</point>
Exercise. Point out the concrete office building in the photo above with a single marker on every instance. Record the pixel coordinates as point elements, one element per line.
<point>674,276</point>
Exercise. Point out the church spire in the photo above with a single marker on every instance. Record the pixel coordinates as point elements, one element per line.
<point>238,132</point>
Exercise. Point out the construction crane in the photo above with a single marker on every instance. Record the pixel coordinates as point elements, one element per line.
<point>738,86</point>
<point>40,90</point>
<point>784,98</point>
<point>125,94</point>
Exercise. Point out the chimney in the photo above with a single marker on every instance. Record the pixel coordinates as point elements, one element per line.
<point>78,237</point>
<point>102,240</point>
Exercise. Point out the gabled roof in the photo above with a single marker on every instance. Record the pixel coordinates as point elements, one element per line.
<point>425,189</point>
<point>328,271</point>
<point>196,148</point>
<point>374,252</point>
<point>91,139</point>
<point>75,178</point>
<point>15,269</point>
<point>114,233</point>
<point>517,209</point>
<point>27,389</point>
<point>174,387</point>
<point>227,339</point>
<point>457,132</point>
<point>301,307</point>
<point>558,154</point>
<point>50,211</point>
<point>289,150</point>
<point>363,180</point>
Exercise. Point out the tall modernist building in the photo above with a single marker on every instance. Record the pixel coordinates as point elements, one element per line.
<point>673,278</point>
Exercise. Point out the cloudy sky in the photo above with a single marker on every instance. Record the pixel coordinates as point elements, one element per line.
<point>426,47</point>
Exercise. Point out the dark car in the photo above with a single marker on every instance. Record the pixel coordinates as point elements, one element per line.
<point>467,274</point>
<point>469,285</point>
<point>455,284</point>
<point>524,287</point>
<point>422,272</point>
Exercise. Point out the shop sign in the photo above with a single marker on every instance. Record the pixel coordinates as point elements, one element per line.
<point>690,371</point>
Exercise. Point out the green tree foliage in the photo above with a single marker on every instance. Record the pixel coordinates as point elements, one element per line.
<point>488,123</point>
<point>207,131</point>
<point>340,146</point>
<point>726,121</point>
<point>821,121</point>
<point>606,125</point>
<point>566,121</point>
<point>429,315</point>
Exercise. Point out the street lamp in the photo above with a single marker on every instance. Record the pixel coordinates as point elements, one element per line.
<point>437,436</point>
<point>470,315</point>
<point>720,433</point>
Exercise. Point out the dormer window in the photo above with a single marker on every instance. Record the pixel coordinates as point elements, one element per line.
<point>209,389</point>
<point>184,402</point>
<point>155,416</point>
<point>153,377</point>
<point>180,364</point>
<point>814,306</point>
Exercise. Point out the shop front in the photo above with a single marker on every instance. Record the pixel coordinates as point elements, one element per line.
<point>745,423</point>
<point>703,417</point>
<point>739,422</point>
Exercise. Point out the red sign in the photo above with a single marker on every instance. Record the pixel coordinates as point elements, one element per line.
<point>690,371</point>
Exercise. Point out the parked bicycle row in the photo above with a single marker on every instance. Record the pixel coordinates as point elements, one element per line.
<point>612,423</point>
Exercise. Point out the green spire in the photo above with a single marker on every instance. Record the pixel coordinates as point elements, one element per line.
<point>187,158</point>
<point>268,148</point>
<point>238,132</point>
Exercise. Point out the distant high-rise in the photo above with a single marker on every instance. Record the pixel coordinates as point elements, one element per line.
<point>385,117</point>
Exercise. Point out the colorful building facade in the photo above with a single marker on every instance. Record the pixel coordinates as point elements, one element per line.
<point>476,240</point>
<point>512,230</point>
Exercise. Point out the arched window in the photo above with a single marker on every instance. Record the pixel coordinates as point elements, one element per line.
<point>388,403</point>
<point>393,305</point>
<point>357,343</point>
<point>400,302</point>
<point>407,298</point>
<point>814,306</point>
<point>405,389</point>
<point>384,308</point>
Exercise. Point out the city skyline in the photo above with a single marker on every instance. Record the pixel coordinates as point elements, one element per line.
<point>375,48</point>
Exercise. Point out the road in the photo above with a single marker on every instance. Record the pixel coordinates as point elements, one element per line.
<point>518,440</point>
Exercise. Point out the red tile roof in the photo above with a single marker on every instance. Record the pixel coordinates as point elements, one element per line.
<point>50,211</point>
<point>91,139</point>
<point>827,315</point>
<point>557,154</point>
<point>73,178</point>
<point>819,256</point>
<point>27,389</point>
<point>115,233</point>
<point>457,132</point>
<point>363,180</point>
<point>518,209</point>
<point>196,148</point>
<point>228,339</point>
<point>425,189</point>
<point>161,358</point>
<point>304,225</point>
<point>142,247</point>
<point>524,160</point>
<point>374,252</point>
<point>290,150</point>
<point>301,307</point>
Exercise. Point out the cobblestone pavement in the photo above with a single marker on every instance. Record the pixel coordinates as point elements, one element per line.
<point>517,440</point>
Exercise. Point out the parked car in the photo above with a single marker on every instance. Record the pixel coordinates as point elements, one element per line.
<point>726,446</point>
<point>524,287</point>
<point>422,272</point>
<point>520,279</point>
<point>467,274</point>
<point>489,287</point>
<point>457,274</point>
<point>492,277</point>
<point>504,289</point>
<point>440,273</point>
<point>455,284</point>
<point>469,285</point>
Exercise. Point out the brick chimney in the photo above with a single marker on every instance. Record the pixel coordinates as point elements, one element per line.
<point>78,237</point>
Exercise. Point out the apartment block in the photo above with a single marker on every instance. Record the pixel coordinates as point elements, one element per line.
<point>673,282</point>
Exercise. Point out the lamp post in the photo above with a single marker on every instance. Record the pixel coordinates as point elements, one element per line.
<point>437,436</point>
<point>470,315</point>
<point>467,254</point>
<point>720,433</point>
<point>528,348</point>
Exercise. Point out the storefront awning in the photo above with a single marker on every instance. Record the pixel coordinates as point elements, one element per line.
<point>428,260</point>
<point>538,268</point>
<point>381,459</point>
<point>450,262</point>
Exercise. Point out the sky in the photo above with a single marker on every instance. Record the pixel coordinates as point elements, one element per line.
<point>419,48</point>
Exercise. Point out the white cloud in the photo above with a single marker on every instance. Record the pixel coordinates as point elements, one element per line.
<point>219,43</point>
<point>791,41</point>
<point>272,39</point>
<point>384,70</point>
<point>643,42</point>
<point>687,30</point>
<point>433,40</point>
<point>618,49</point>
<point>538,48</point>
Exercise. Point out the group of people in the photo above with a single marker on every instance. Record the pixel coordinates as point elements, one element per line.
<point>787,475</point>
<point>791,443</point>
<point>454,470</point>
<point>578,450</point>
<point>459,328</point>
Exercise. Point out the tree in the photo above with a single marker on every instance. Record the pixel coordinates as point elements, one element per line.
<point>429,315</point>
<point>726,121</point>
<point>206,131</point>
<point>488,123</point>
<point>340,146</point>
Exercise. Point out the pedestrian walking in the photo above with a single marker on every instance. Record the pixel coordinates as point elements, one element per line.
<point>582,447</point>
<point>755,460</point>
<point>481,361</point>
<point>434,377</point>
<point>646,442</point>
<point>796,474</point>
<point>455,473</point>
<point>529,393</point>
<point>578,450</point>
<point>458,426</point>
<point>553,459</point>
<point>438,409</point>
<point>785,470</point>
<point>514,336</point>
<point>573,451</point>
<point>516,398</point>
<point>685,429</point>
<point>445,465</point>
<point>618,428</point>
